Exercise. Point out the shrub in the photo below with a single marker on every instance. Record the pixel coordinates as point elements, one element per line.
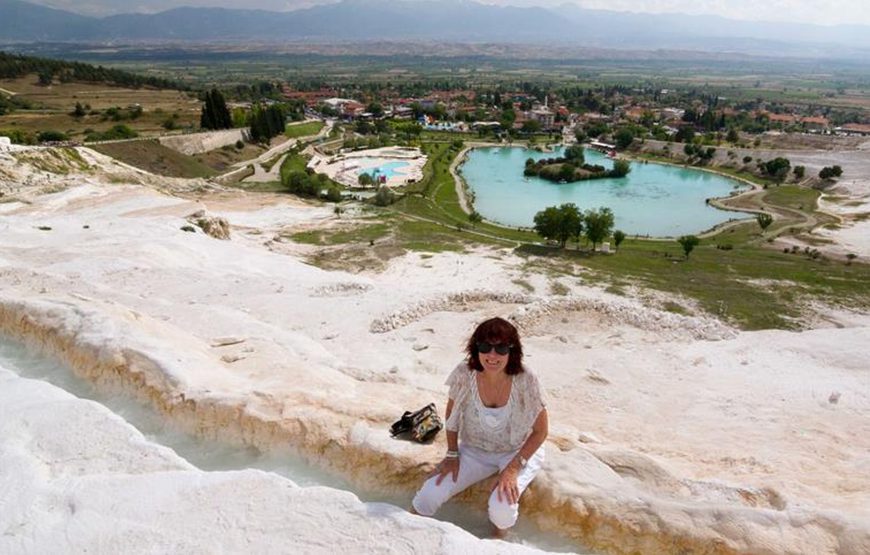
<point>384,197</point>
<point>688,242</point>
<point>51,136</point>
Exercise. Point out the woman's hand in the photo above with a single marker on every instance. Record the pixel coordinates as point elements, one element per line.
<point>450,465</point>
<point>506,485</point>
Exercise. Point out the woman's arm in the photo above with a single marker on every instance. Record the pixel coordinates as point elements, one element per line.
<point>540,430</point>
<point>506,484</point>
<point>450,465</point>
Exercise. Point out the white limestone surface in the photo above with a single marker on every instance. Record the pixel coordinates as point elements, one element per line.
<point>76,478</point>
<point>668,432</point>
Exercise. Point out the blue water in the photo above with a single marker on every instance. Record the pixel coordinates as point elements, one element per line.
<point>654,199</point>
<point>388,169</point>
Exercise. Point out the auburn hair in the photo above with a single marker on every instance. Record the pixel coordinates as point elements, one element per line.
<point>496,331</point>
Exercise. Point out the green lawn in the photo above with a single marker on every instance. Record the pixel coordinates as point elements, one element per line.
<point>753,287</point>
<point>746,283</point>
<point>295,130</point>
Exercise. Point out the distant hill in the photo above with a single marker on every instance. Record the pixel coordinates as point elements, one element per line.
<point>13,66</point>
<point>450,20</point>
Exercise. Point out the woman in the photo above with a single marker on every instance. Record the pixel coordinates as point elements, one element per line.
<point>496,408</point>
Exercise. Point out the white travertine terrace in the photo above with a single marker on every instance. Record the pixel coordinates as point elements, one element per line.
<point>669,432</point>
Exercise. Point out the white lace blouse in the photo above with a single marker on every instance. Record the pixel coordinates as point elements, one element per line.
<point>493,430</point>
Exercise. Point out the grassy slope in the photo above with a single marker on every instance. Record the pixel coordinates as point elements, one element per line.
<point>151,156</point>
<point>295,130</point>
<point>53,105</point>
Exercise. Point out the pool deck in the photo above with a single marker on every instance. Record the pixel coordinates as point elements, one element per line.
<point>345,168</point>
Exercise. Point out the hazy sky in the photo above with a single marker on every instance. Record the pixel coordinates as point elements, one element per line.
<point>827,12</point>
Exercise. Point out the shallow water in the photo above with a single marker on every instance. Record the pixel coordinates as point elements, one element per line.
<point>387,169</point>
<point>654,199</point>
<point>217,456</point>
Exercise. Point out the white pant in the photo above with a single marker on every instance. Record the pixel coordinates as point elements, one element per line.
<point>474,466</point>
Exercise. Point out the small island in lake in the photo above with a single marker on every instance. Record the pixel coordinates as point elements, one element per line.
<point>573,167</point>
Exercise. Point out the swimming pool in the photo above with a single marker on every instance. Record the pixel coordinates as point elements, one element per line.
<point>388,169</point>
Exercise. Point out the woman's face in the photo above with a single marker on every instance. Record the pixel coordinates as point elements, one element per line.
<point>492,361</point>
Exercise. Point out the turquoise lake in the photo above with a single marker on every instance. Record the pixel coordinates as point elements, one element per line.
<point>654,199</point>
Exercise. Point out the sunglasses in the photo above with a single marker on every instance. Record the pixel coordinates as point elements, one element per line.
<point>500,348</point>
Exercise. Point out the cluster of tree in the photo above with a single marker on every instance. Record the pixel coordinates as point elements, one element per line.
<point>7,104</point>
<point>215,114</point>
<point>267,122</point>
<point>573,167</point>
<point>375,141</point>
<point>777,168</point>
<point>50,136</point>
<point>829,172</point>
<point>624,137</point>
<point>258,91</point>
<point>310,184</point>
<point>376,127</point>
<point>115,113</point>
<point>564,222</point>
<point>699,153</point>
<point>116,133</point>
<point>18,136</point>
<point>409,130</point>
<point>13,66</point>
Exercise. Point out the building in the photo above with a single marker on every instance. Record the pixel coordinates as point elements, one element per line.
<point>861,129</point>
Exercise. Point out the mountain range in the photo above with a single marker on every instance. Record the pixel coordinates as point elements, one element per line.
<point>448,21</point>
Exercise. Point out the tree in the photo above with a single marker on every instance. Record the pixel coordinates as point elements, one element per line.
<point>618,238</point>
<point>531,126</point>
<point>777,168</point>
<point>410,129</point>
<point>215,114</point>
<point>799,172</point>
<point>685,134</point>
<point>365,179</point>
<point>831,171</point>
<point>621,168</point>
<point>51,136</point>
<point>567,171</point>
<point>599,224</point>
<point>375,109</point>
<point>384,197</point>
<point>475,217</point>
<point>688,242</point>
<point>733,136</point>
<point>624,137</point>
<point>45,77</point>
<point>574,153</point>
<point>559,223</point>
<point>764,220</point>
<point>79,111</point>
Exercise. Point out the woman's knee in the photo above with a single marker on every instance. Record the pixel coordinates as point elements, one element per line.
<point>430,497</point>
<point>501,513</point>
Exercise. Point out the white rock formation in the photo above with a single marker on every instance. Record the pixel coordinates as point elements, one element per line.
<point>725,446</point>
